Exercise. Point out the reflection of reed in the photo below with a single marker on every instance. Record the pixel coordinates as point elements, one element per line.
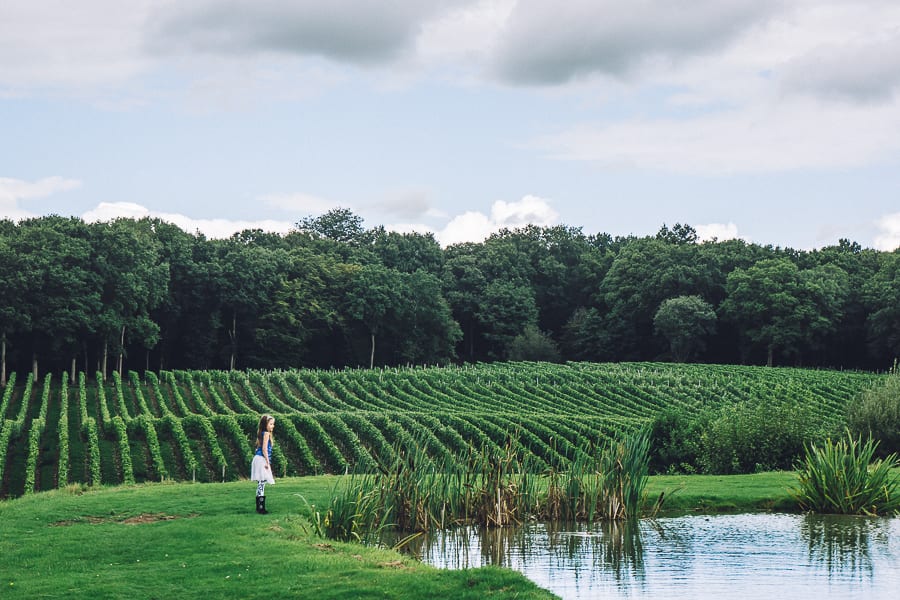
<point>607,548</point>
<point>841,544</point>
<point>623,551</point>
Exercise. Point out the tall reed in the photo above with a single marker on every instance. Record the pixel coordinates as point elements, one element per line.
<point>840,477</point>
<point>490,486</point>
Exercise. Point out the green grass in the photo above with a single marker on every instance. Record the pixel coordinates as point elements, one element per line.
<point>206,540</point>
<point>724,493</point>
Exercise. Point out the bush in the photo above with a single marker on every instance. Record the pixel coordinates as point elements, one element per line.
<point>876,413</point>
<point>750,437</point>
<point>534,345</point>
<point>675,438</point>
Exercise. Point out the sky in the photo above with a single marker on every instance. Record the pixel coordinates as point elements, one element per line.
<point>773,121</point>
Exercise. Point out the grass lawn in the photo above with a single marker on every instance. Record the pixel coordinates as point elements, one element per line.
<point>189,540</point>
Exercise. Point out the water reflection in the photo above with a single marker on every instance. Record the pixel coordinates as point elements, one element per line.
<point>843,545</point>
<point>728,556</point>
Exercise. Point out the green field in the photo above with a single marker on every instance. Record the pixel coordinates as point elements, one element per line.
<point>198,425</point>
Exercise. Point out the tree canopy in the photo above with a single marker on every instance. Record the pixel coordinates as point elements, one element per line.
<point>331,293</point>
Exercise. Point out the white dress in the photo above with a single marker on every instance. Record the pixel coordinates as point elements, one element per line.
<point>258,470</point>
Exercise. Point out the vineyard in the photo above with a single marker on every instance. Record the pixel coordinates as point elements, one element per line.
<point>198,425</point>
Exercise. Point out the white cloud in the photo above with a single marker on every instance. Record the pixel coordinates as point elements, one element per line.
<point>473,226</point>
<point>791,135</point>
<point>14,190</point>
<point>299,203</point>
<point>212,228</point>
<point>72,44</point>
<point>717,231</point>
<point>868,71</point>
<point>889,238</point>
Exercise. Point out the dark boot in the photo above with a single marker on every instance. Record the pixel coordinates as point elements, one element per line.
<point>261,505</point>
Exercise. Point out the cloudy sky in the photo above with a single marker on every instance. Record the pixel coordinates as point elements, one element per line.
<point>776,121</point>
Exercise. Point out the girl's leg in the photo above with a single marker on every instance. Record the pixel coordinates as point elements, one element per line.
<point>261,489</point>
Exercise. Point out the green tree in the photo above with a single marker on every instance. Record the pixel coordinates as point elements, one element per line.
<point>779,307</point>
<point>303,322</point>
<point>338,224</point>
<point>464,284</point>
<point>685,321</point>
<point>249,274</point>
<point>427,332</point>
<point>407,252</point>
<point>62,292</point>
<point>882,298</point>
<point>505,310</point>
<point>14,316</point>
<point>533,345</point>
<point>644,273</point>
<point>133,282</point>
<point>375,299</point>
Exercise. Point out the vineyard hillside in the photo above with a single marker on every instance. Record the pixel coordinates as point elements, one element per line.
<point>199,425</point>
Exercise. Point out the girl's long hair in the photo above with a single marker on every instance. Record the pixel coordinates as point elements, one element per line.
<point>263,425</point>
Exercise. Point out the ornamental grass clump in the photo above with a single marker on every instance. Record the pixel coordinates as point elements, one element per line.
<point>841,478</point>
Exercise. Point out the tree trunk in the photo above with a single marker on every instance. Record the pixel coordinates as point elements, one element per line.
<point>34,366</point>
<point>147,359</point>
<point>121,352</point>
<point>769,360</point>
<point>74,362</point>
<point>104,358</point>
<point>233,334</point>
<point>3,363</point>
<point>372,355</point>
<point>84,349</point>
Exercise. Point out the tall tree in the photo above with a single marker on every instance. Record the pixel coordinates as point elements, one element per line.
<point>134,280</point>
<point>303,323</point>
<point>781,308</point>
<point>14,316</point>
<point>63,291</point>
<point>882,296</point>
<point>250,275</point>
<point>427,332</point>
<point>375,299</point>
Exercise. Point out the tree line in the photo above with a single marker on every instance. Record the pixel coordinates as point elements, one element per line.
<point>144,294</point>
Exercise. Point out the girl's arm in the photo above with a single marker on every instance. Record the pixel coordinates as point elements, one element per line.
<point>265,447</point>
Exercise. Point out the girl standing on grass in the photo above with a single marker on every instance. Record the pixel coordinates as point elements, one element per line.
<point>261,467</point>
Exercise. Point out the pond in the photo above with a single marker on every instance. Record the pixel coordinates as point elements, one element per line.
<point>724,556</point>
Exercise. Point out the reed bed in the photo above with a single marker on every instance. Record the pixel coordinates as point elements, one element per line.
<point>489,486</point>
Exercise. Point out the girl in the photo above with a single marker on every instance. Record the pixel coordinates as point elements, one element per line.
<point>261,467</point>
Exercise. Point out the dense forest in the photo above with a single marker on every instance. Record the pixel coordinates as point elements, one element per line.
<point>144,294</point>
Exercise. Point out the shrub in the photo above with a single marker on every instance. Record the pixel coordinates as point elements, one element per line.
<point>841,477</point>
<point>876,413</point>
<point>675,441</point>
<point>534,345</point>
<point>749,437</point>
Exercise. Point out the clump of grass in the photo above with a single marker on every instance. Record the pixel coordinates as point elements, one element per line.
<point>841,478</point>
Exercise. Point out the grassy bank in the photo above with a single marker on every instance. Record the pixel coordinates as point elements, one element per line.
<point>193,540</point>
<point>186,540</point>
<point>724,493</point>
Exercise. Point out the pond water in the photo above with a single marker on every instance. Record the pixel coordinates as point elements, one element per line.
<point>744,556</point>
